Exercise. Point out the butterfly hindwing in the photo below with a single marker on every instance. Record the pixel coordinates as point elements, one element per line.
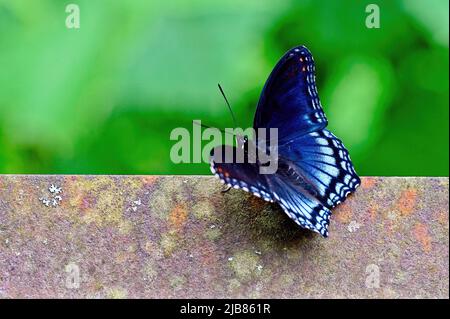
<point>320,160</point>
<point>239,175</point>
<point>299,206</point>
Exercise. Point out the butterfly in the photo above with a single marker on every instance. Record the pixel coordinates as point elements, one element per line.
<point>315,172</point>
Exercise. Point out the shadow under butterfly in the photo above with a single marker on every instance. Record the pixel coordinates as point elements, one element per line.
<point>315,172</point>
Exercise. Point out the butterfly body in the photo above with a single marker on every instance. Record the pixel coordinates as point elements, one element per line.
<point>314,171</point>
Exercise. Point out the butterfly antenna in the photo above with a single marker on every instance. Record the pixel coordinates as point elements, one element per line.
<point>228,104</point>
<point>206,126</point>
<point>215,128</point>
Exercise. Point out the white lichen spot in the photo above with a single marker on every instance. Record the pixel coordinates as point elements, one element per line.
<point>54,189</point>
<point>135,205</point>
<point>392,215</point>
<point>54,199</point>
<point>353,226</point>
<point>44,201</point>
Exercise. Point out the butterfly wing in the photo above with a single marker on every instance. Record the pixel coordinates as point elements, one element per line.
<point>315,172</point>
<point>245,175</point>
<point>298,204</point>
<point>292,196</point>
<point>289,100</point>
<point>321,161</point>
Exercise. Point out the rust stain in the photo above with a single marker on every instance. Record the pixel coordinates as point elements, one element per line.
<point>86,202</point>
<point>442,218</point>
<point>368,182</point>
<point>344,213</point>
<point>178,217</point>
<point>373,211</point>
<point>149,180</point>
<point>70,178</point>
<point>407,201</point>
<point>421,234</point>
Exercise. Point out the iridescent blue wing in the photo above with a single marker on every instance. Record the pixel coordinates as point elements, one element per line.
<point>289,100</point>
<point>320,160</point>
<point>290,194</point>
<point>315,172</point>
<point>245,175</point>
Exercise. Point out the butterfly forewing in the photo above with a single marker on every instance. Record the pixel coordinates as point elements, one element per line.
<point>289,100</point>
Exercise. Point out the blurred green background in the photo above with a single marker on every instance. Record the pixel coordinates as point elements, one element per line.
<point>103,99</point>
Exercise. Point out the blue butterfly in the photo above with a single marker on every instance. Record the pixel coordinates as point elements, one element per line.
<point>314,172</point>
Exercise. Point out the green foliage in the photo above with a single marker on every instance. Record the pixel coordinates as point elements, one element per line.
<point>103,99</point>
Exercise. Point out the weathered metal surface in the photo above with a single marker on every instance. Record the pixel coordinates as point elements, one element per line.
<point>180,236</point>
